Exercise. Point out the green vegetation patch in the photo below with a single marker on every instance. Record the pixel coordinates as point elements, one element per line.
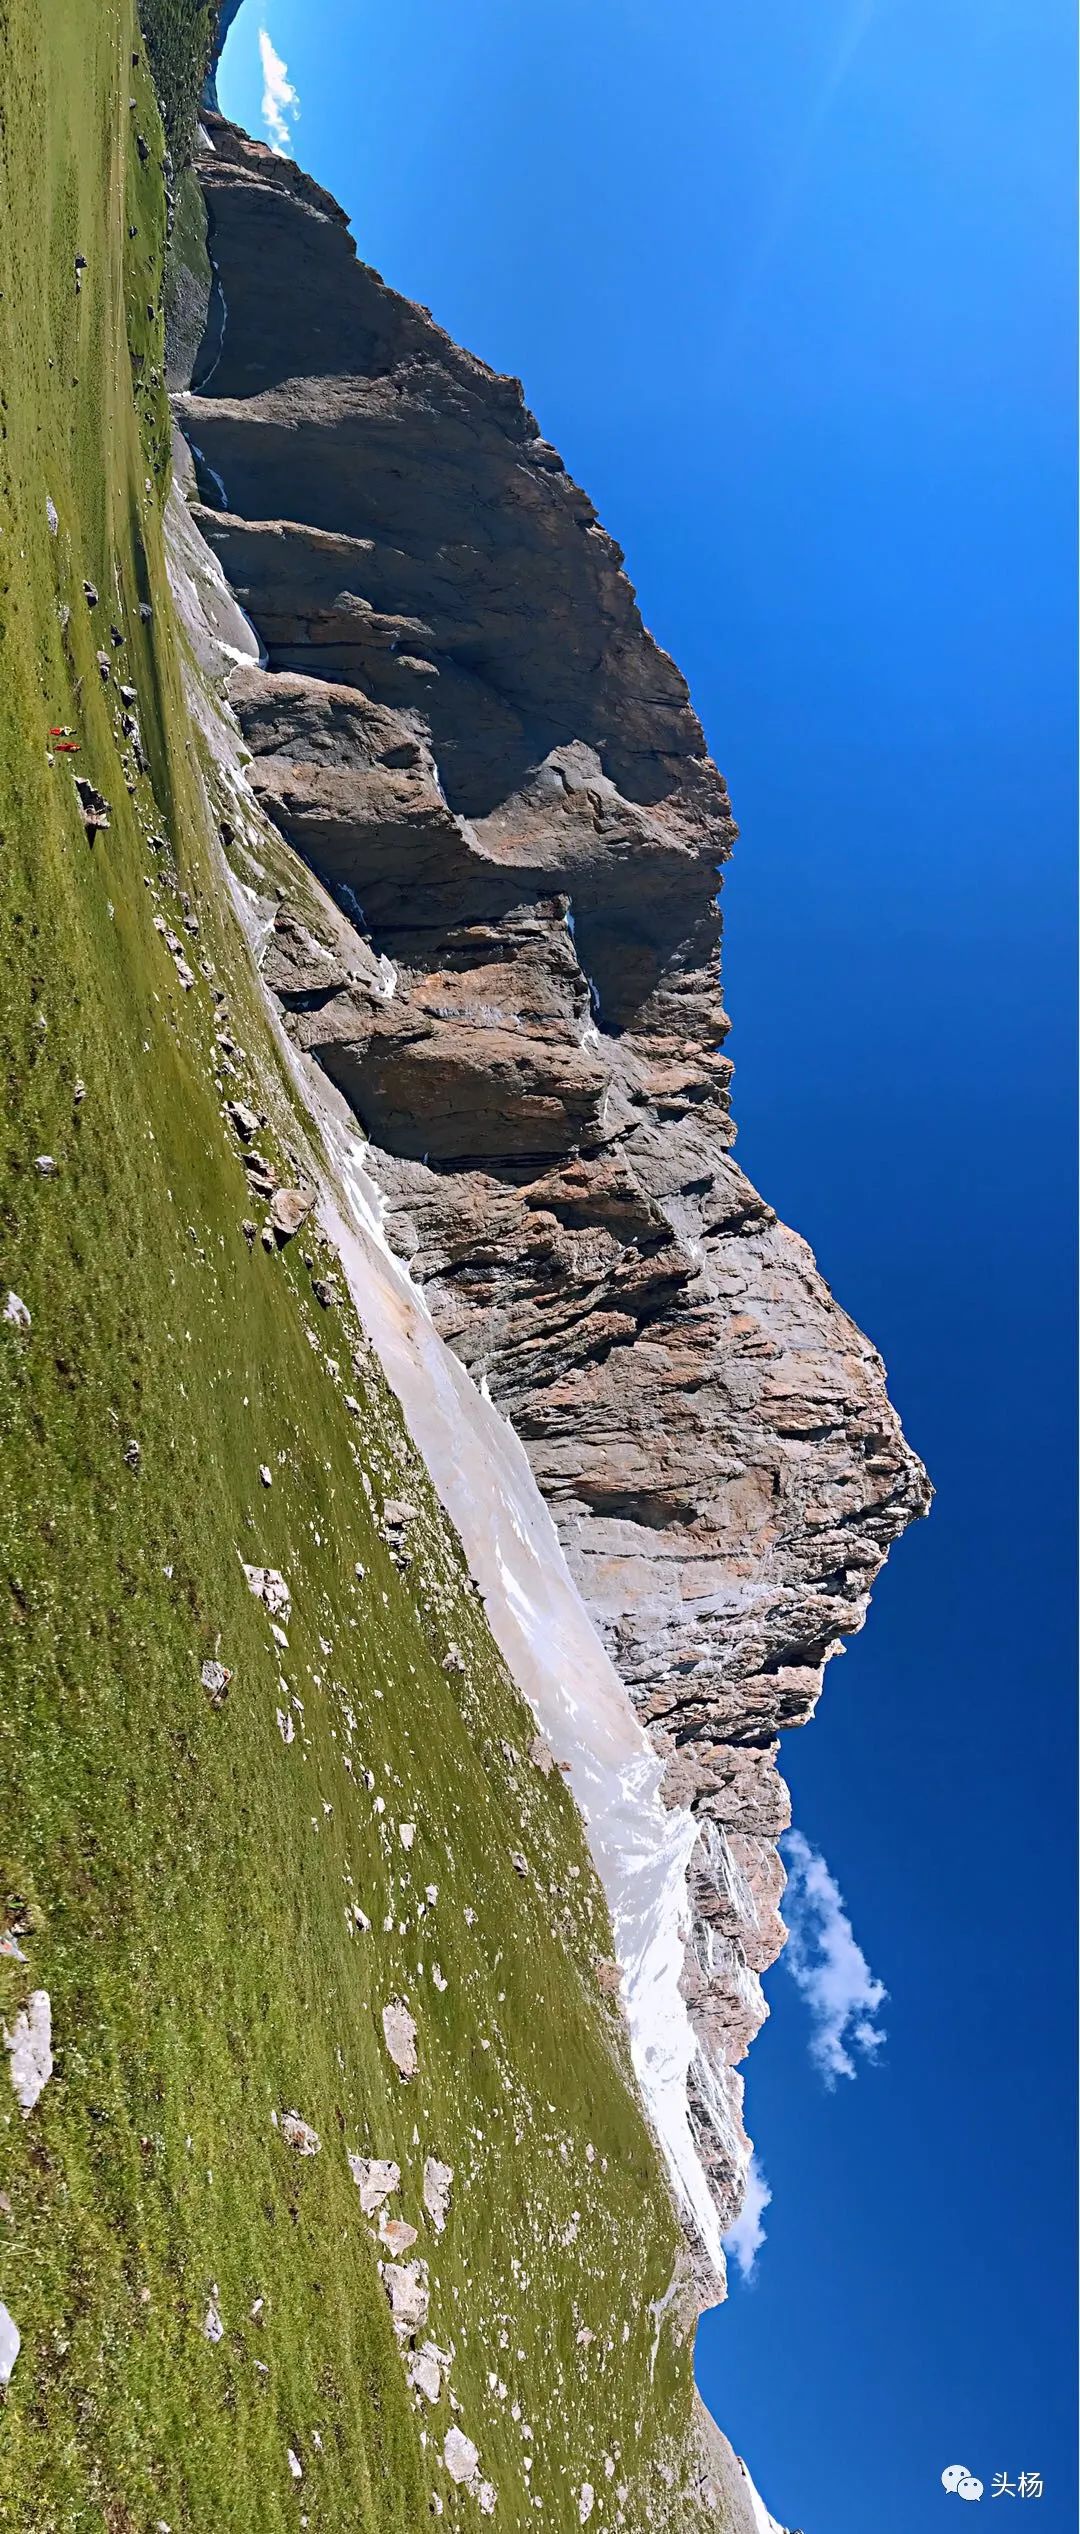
<point>223,1883</point>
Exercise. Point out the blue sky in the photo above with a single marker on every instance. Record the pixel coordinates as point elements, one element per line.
<point>789,284</point>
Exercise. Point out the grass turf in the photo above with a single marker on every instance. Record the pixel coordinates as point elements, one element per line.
<point>184,1880</point>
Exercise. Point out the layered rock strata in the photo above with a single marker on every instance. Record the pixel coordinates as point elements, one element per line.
<point>466,732</point>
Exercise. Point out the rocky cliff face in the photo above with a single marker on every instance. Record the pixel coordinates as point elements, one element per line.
<point>464,729</point>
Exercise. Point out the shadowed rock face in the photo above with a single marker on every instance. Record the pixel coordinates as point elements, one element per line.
<point>466,732</point>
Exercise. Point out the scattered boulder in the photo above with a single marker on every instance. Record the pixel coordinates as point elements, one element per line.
<point>461,2458</point>
<point>541,1754</point>
<point>375,2178</point>
<point>299,2134</point>
<point>519,1862</point>
<point>213,2327</point>
<point>215,1678</point>
<point>45,1166</point>
<point>425,2373</point>
<point>289,1209</point>
<point>29,2047</point>
<point>438,2179</point>
<point>88,590</point>
<point>96,814</point>
<point>51,514</point>
<point>269,1587</point>
<point>10,2344</point>
<point>406,2285</point>
<point>16,1313</point>
<point>243,1119</point>
<point>399,2034</point>
<point>397,2235</point>
<point>586,2501</point>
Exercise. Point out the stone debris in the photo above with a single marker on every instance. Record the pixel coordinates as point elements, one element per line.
<point>406,1831</point>
<point>397,2235</point>
<point>406,2285</point>
<point>133,1452</point>
<point>299,2134</point>
<point>213,2327</point>
<point>541,1754</point>
<point>215,1678</point>
<point>289,1209</point>
<point>453,1659</point>
<point>243,1119</point>
<point>586,2501</point>
<point>399,2034</point>
<point>295,2466</point>
<point>266,1475</point>
<point>51,514</point>
<point>461,2458</point>
<point>16,1313</point>
<point>487,2498</point>
<point>45,1166</point>
<point>89,592</point>
<point>286,1727</point>
<point>425,2373</point>
<point>29,2046</point>
<point>396,1513</point>
<point>519,1862</point>
<point>438,2181</point>
<point>96,813</point>
<point>10,2344</point>
<point>269,1587</point>
<point>375,2179</point>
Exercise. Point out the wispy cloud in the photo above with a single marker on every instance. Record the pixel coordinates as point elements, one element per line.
<point>280,103</point>
<point>828,1966</point>
<point>744,2240</point>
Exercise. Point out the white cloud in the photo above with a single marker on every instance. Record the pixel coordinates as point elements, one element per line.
<point>744,2240</point>
<point>280,102</point>
<point>827,1965</point>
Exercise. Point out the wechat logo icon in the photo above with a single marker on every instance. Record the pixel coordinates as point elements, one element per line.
<point>957,2478</point>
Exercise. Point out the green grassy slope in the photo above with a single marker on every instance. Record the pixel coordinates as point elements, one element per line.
<point>181,1880</point>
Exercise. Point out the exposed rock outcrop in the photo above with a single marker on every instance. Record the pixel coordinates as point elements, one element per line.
<point>512,973</point>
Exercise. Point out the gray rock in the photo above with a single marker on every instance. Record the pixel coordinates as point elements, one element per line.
<point>376,2179</point>
<point>289,1209</point>
<point>406,2285</point>
<point>10,2344</point>
<point>399,2034</point>
<point>215,1678</point>
<point>438,2179</point>
<point>29,2048</point>
<point>299,2134</point>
